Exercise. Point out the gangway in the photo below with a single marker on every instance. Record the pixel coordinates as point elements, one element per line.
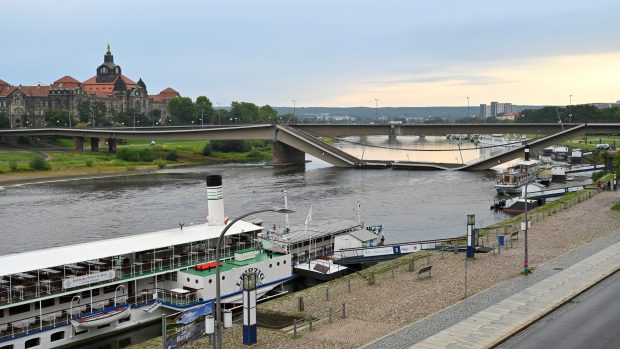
<point>364,255</point>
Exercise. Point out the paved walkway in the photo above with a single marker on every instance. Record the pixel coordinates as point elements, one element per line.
<point>541,292</point>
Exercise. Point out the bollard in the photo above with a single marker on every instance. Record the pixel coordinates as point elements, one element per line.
<point>349,285</point>
<point>428,259</point>
<point>442,252</point>
<point>371,278</point>
<point>412,265</point>
<point>294,327</point>
<point>392,271</point>
<point>344,311</point>
<point>300,304</point>
<point>310,323</point>
<point>330,314</point>
<point>327,294</point>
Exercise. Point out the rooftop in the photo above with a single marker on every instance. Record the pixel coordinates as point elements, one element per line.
<point>63,255</point>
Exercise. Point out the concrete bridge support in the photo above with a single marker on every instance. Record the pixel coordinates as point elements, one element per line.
<point>79,143</point>
<point>112,145</point>
<point>94,144</point>
<point>284,154</point>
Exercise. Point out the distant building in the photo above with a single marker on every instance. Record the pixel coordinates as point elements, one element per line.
<point>494,110</point>
<point>113,91</point>
<point>606,105</point>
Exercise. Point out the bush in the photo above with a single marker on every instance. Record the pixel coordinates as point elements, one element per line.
<point>230,146</point>
<point>598,175</point>
<point>13,165</point>
<point>131,168</point>
<point>207,150</point>
<point>254,154</point>
<point>160,163</point>
<point>171,155</point>
<point>135,155</point>
<point>39,163</point>
<point>89,162</point>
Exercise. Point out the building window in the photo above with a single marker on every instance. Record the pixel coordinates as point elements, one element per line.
<point>31,343</point>
<point>57,336</point>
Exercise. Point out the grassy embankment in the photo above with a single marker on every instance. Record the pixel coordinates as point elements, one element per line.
<point>63,161</point>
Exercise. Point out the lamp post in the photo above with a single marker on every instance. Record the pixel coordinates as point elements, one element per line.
<point>134,121</point>
<point>217,343</point>
<point>377,110</point>
<point>202,118</point>
<point>570,109</point>
<point>294,118</point>
<point>117,287</point>
<point>468,115</point>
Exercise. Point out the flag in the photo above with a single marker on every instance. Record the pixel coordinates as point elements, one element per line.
<point>309,218</point>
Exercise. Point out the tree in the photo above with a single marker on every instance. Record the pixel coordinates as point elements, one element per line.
<point>181,109</point>
<point>243,112</point>
<point>84,111</point>
<point>204,108</point>
<point>5,122</point>
<point>267,114</point>
<point>57,117</point>
<point>155,115</point>
<point>99,110</point>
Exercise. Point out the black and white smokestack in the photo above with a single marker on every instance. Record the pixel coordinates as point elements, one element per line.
<point>215,200</point>
<point>527,153</point>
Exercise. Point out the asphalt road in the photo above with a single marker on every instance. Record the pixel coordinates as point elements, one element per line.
<point>590,321</point>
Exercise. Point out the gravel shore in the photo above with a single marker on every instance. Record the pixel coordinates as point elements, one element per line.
<point>398,298</point>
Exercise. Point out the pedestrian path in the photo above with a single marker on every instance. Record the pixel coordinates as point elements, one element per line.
<point>494,324</point>
<point>575,270</point>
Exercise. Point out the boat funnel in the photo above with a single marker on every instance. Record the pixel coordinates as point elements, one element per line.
<point>215,201</point>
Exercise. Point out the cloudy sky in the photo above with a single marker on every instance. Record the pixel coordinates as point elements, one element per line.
<point>327,53</point>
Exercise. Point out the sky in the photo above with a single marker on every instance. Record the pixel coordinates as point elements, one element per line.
<point>335,53</point>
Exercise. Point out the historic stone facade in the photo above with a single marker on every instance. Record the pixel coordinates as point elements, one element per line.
<point>109,90</point>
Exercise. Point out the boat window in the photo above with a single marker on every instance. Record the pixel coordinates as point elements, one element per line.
<point>223,277</point>
<point>77,333</point>
<point>284,262</point>
<point>57,336</point>
<point>103,326</point>
<point>210,280</point>
<point>31,343</point>
<point>10,346</point>
<point>86,294</point>
<point>66,298</point>
<point>278,264</point>
<point>45,303</point>
<point>109,289</point>
<point>270,266</point>
<point>19,309</point>
<point>125,319</point>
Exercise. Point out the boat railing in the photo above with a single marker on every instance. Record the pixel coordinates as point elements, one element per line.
<point>32,285</point>
<point>60,317</point>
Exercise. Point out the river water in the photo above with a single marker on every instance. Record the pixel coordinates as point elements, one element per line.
<point>412,205</point>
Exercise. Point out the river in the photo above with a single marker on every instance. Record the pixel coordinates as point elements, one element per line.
<point>412,205</point>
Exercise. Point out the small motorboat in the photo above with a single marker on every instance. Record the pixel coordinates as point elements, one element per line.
<point>103,317</point>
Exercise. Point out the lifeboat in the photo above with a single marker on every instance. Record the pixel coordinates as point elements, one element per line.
<point>104,317</point>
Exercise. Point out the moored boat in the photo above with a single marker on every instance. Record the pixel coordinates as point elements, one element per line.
<point>104,317</point>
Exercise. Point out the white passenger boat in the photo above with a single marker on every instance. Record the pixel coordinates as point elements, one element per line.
<point>497,140</point>
<point>69,294</point>
<point>514,177</point>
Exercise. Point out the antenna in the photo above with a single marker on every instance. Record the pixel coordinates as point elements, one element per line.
<point>181,225</point>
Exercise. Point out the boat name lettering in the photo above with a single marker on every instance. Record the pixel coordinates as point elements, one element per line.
<point>88,279</point>
<point>258,272</point>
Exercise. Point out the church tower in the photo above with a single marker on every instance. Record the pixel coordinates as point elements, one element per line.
<point>108,71</point>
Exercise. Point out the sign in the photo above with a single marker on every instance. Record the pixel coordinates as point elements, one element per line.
<point>88,279</point>
<point>184,334</point>
<point>194,313</point>
<point>381,251</point>
<point>410,248</point>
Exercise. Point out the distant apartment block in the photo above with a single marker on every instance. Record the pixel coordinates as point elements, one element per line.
<point>494,109</point>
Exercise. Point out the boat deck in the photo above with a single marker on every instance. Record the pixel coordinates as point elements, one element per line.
<point>231,264</point>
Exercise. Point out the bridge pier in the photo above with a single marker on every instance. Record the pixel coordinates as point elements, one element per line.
<point>112,145</point>
<point>284,154</point>
<point>94,144</point>
<point>79,143</point>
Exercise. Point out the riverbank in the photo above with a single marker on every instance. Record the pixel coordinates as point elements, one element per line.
<point>399,300</point>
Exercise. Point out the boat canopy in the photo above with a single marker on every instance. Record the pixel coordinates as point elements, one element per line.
<point>64,255</point>
<point>318,229</point>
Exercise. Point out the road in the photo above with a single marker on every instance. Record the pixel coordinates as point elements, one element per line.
<point>592,320</point>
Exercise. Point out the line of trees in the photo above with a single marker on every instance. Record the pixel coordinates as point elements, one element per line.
<point>184,111</point>
<point>575,114</point>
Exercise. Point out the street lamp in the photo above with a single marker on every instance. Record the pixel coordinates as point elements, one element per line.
<point>117,287</point>
<point>570,109</point>
<point>202,118</point>
<point>217,343</point>
<point>468,114</point>
<point>377,110</point>
<point>71,309</point>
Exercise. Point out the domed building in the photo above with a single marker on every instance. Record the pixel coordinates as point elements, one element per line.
<point>109,92</point>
